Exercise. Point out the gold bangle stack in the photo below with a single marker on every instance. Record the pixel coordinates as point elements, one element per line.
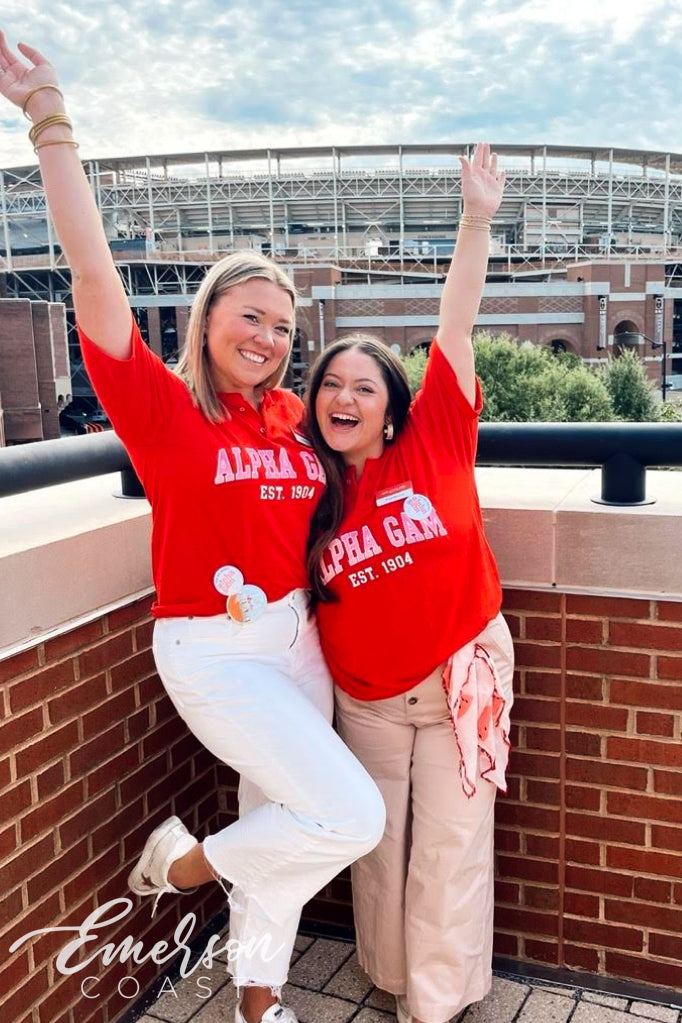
<point>475,223</point>
<point>50,122</point>
<point>38,88</point>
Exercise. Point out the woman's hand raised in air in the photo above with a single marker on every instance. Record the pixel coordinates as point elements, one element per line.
<point>482,183</point>
<point>18,77</point>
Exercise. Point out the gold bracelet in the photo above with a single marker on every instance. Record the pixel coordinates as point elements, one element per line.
<point>38,88</point>
<point>473,218</point>
<point>472,226</point>
<point>56,142</point>
<point>48,122</point>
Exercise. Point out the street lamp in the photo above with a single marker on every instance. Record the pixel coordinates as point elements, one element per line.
<point>635,337</point>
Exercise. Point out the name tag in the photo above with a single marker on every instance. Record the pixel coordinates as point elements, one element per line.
<point>398,492</point>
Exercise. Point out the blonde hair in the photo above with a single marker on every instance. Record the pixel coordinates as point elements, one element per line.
<point>193,366</point>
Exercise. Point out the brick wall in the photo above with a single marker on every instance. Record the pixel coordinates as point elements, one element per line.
<point>589,836</point>
<point>92,756</point>
<point>589,842</point>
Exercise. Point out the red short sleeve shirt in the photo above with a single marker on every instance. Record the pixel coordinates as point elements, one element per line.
<point>411,566</point>
<point>241,492</point>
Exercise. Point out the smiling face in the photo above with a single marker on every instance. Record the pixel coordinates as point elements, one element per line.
<point>351,407</point>
<point>248,332</point>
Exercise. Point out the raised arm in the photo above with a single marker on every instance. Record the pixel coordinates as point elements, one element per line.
<point>482,188</point>
<point>100,302</point>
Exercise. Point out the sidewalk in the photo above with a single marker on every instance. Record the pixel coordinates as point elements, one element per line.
<point>327,986</point>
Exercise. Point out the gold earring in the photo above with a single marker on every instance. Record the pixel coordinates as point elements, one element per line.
<point>388,431</point>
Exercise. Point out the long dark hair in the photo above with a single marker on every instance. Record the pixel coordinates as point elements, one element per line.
<point>329,512</point>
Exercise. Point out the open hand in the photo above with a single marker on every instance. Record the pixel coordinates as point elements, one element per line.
<point>18,78</point>
<point>482,184</point>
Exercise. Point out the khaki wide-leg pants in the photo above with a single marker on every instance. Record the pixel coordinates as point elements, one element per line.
<point>423,898</point>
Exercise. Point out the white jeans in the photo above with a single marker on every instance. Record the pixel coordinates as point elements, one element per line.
<point>259,697</point>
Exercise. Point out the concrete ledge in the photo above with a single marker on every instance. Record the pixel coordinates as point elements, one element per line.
<point>69,552</point>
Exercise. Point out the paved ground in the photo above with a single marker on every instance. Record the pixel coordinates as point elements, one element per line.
<point>327,986</point>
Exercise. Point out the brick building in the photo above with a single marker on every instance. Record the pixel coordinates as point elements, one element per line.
<point>35,379</point>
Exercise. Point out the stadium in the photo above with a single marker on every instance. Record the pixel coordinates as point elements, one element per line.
<point>586,250</point>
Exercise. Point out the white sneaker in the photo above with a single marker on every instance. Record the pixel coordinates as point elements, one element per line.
<point>401,1010</point>
<point>167,843</point>
<point>275,1014</point>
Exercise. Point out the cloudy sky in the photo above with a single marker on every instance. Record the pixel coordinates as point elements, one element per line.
<point>155,76</point>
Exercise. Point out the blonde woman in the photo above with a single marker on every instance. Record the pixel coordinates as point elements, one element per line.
<point>232,487</point>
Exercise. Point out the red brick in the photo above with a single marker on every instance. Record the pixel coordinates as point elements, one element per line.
<point>19,728</point>
<point>5,772</point>
<point>149,689</point>
<point>507,841</point>
<point>660,918</point>
<point>606,882</point>
<point>50,780</point>
<point>42,915</point>
<point>534,764</point>
<point>507,892</point>
<point>50,811</point>
<point>29,859</point>
<point>41,685</point>
<point>58,870</point>
<point>580,797</point>
<point>144,634</point>
<point>92,753</point>
<point>580,958</point>
<point>543,628</point>
<point>111,830</point>
<point>15,800</point>
<point>592,933</point>
<point>643,861</point>
<point>24,998</point>
<point>604,774</point>
<point>605,828</point>
<point>653,891</point>
<point>130,613</point>
<point>580,904</point>
<point>645,637</point>
<point>585,687</point>
<point>546,792</point>
<point>89,881</point>
<point>139,666</point>
<point>12,667</point>
<point>527,921</point>
<point>63,992</point>
<point>114,709</point>
<point>605,719</point>
<point>646,751</point>
<point>532,818</point>
<point>137,724</point>
<point>142,779</point>
<point>105,654</point>
<point>666,838</point>
<point>645,694</point>
<point>588,853</point>
<point>506,945</point>
<point>541,951</point>
<point>545,846</point>
<point>540,898</point>
<point>111,772</point>
<point>655,724</point>
<point>542,683</point>
<point>608,662</point>
<point>579,630</point>
<point>8,841</point>
<point>529,655</point>
<point>547,740</point>
<point>529,709</point>
<point>10,907</point>
<point>582,743</point>
<point>668,783</point>
<point>523,868</point>
<point>669,611</point>
<point>53,744</point>
<point>606,607</point>
<point>627,804</point>
<point>667,945</point>
<point>531,600</point>
<point>74,640</point>
<point>161,738</point>
<point>669,668</point>
<point>644,968</point>
<point>81,824</point>
<point>77,698</point>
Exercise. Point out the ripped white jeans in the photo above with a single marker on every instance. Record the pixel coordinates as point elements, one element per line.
<point>259,697</point>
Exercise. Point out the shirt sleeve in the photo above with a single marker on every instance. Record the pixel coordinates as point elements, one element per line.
<point>441,413</point>
<point>139,394</point>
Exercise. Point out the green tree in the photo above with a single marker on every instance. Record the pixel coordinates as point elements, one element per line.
<point>415,364</point>
<point>632,393</point>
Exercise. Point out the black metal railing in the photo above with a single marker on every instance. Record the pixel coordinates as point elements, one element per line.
<point>622,450</point>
